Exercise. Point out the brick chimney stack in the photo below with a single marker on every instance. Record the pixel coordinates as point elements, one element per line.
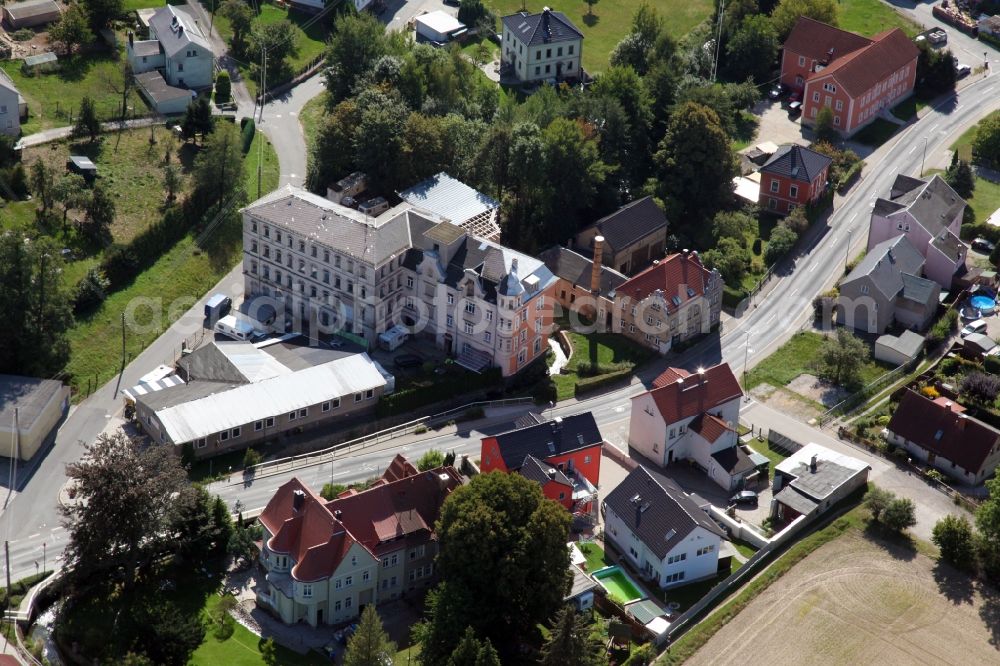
<point>595,270</point>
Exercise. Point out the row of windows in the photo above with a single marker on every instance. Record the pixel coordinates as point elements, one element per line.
<point>677,558</point>
<point>548,52</point>
<point>316,251</point>
<point>793,190</point>
<point>674,577</point>
<point>548,68</point>
<point>421,572</point>
<point>705,551</point>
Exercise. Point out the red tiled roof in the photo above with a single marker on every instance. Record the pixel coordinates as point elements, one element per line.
<point>696,394</point>
<point>953,406</point>
<point>943,431</point>
<point>399,468</point>
<point>814,39</point>
<point>674,275</point>
<point>861,70</point>
<point>669,376</point>
<point>710,427</point>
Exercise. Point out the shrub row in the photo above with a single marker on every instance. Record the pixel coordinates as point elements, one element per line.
<point>600,381</point>
<point>980,230</point>
<point>249,129</point>
<point>941,329</point>
<point>19,589</point>
<point>590,369</point>
<point>848,177</point>
<point>451,386</point>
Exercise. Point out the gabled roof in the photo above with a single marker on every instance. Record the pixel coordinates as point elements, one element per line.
<point>557,437</point>
<point>695,394</point>
<point>399,468</point>
<point>861,70</point>
<point>710,427</point>
<point>541,473</point>
<point>950,246</point>
<point>545,27</point>
<point>933,204</point>
<point>576,269</point>
<point>176,29</point>
<point>631,223</point>
<point>734,460</point>
<point>886,263</point>
<point>679,277</point>
<point>797,163</point>
<point>669,376</point>
<point>943,430</point>
<point>919,290</point>
<point>814,40</point>
<point>656,510</point>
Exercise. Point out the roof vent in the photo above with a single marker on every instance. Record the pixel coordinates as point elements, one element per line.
<point>298,499</point>
<point>551,472</point>
<point>337,514</point>
<point>670,535</point>
<point>636,498</point>
<point>579,438</point>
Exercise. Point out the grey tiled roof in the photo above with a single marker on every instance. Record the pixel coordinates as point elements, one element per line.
<point>949,245</point>
<point>551,438</point>
<point>546,27</point>
<point>172,39</point>
<point>885,264</point>
<point>918,289</point>
<point>932,203</point>
<point>535,470</point>
<point>656,510</point>
<point>796,162</point>
<point>631,223</point>
<point>575,269</point>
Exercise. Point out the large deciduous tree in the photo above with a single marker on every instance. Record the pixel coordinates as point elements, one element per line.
<point>87,122</point>
<point>986,143</point>
<point>358,41</point>
<point>788,12</point>
<point>752,49</point>
<point>240,22</point>
<point>574,172</point>
<point>102,12</point>
<point>954,538</point>
<point>72,29</point>
<point>499,527</point>
<point>842,357</point>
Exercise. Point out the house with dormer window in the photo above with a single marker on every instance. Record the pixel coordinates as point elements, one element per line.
<point>537,47</point>
<point>793,176</point>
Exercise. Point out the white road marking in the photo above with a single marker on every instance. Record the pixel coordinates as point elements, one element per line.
<point>56,529</point>
<point>292,113</point>
<point>933,127</point>
<point>813,267</point>
<point>791,295</point>
<point>853,217</point>
<point>769,319</point>
<point>36,534</point>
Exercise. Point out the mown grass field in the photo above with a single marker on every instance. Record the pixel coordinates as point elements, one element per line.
<point>611,20</point>
<point>870,17</point>
<point>799,355</point>
<point>601,348</point>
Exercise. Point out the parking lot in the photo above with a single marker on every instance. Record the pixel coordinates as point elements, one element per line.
<point>777,126</point>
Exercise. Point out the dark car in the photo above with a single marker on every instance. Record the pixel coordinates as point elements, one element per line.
<point>408,361</point>
<point>794,108</point>
<point>982,245</point>
<point>778,91</point>
<point>744,497</point>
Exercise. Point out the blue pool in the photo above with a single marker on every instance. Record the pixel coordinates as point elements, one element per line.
<point>986,305</point>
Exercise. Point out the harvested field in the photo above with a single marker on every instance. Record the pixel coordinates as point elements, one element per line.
<point>859,601</point>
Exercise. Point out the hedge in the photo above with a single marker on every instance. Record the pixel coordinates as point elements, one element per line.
<point>848,177</point>
<point>590,384</point>
<point>992,40</point>
<point>992,365</point>
<point>987,231</point>
<point>249,129</point>
<point>448,386</point>
<point>20,588</point>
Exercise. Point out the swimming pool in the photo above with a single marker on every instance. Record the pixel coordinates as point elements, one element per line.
<point>984,304</point>
<point>618,584</point>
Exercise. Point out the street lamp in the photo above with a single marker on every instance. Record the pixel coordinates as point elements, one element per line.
<point>847,252</point>
<point>924,158</point>
<point>746,360</point>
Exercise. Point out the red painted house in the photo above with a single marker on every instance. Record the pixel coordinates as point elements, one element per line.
<point>562,455</point>
<point>856,77</point>
<point>794,176</point>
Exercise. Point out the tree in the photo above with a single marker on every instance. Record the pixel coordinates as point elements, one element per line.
<point>222,621</point>
<point>732,224</point>
<point>752,49</point>
<point>899,514</point>
<point>241,546</point>
<point>42,181</point>
<point>623,85</point>
<point>842,357</point>
<point>499,527</point>
<point>131,497</point>
<point>430,460</point>
<point>240,17</point>
<point>198,119</point>
<point>575,171</point>
<point>35,303</point>
<point>935,70</point>
<point>279,39</point>
<point>169,635</point>
<point>731,258</point>
<point>72,29</point>
<point>782,241</point>
<point>218,170</point>
<point>988,514</point>
<point>471,651</point>
<point>590,6</point>
<point>787,13</point>
<point>877,500</point>
<point>986,143</point>
<point>171,181</point>
<point>269,652</point>
<point>797,220</point>
<point>100,215</point>
<point>331,153</point>
<point>91,290</point>
<point>471,12</point>
<point>696,163</point>
<point>223,87</point>
<point>370,645</point>
<point>358,41</point>
<point>378,139</point>
<point>70,191</point>
<point>954,538</point>
<point>571,643</point>
<point>102,12</point>
<point>823,125</point>
<point>960,176</point>
<point>87,123</point>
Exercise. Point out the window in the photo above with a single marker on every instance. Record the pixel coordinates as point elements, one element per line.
<point>570,49</point>
<point>774,188</point>
<point>201,443</point>
<point>369,394</point>
<point>815,95</point>
<point>291,416</point>
<point>559,51</point>
<point>269,422</point>
<point>326,406</point>
<point>836,121</point>
<point>357,397</point>
<point>236,432</point>
<point>676,558</point>
<point>793,191</point>
<point>864,289</point>
<point>489,315</point>
<point>336,606</point>
<point>548,69</point>
<point>451,299</point>
<point>548,53</point>
<point>673,578</point>
<point>258,426</point>
<point>802,61</point>
<point>409,282</point>
<point>303,413</point>
<point>468,327</point>
<point>348,581</point>
<point>772,204</point>
<point>487,336</point>
<point>450,321</point>
<point>586,460</point>
<point>364,577</point>
<point>538,54</point>
<point>839,105</point>
<point>829,87</point>
<point>538,71</point>
<point>313,248</point>
<point>180,67</point>
<point>307,590</point>
<point>706,550</point>
<point>224,435</point>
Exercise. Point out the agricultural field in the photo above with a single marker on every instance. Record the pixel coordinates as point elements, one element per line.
<point>861,600</point>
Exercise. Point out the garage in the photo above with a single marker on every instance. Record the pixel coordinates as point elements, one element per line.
<point>438,26</point>
<point>39,405</point>
<point>30,13</point>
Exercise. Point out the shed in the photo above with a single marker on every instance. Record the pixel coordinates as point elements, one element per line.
<point>898,349</point>
<point>163,97</point>
<point>439,26</point>
<point>581,593</point>
<point>40,405</point>
<point>41,62</point>
<point>82,165</point>
<point>30,13</point>
<point>978,344</point>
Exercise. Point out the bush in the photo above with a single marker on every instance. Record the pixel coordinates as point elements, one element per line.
<point>91,290</point>
<point>23,35</point>
<point>981,387</point>
<point>16,180</point>
<point>600,381</point>
<point>249,129</point>
<point>589,369</point>
<point>930,392</point>
<point>934,475</point>
<point>473,413</point>
<point>942,329</point>
<point>119,265</point>
<point>899,514</point>
<point>430,460</point>
<point>466,384</point>
<point>251,458</point>
<point>223,88</point>
<point>331,490</point>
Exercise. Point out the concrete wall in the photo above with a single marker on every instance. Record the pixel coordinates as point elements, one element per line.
<point>737,529</point>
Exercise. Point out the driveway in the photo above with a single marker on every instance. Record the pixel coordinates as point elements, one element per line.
<point>931,504</point>
<point>778,127</point>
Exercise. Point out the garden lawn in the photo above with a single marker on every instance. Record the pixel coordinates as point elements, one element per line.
<point>243,649</point>
<point>17,215</point>
<point>877,132</point>
<point>132,5</point>
<point>612,20</point>
<point>764,449</point>
<point>602,348</point>
<point>985,199</point>
<point>908,107</point>
<point>963,145</point>
<point>870,17</point>
<point>185,271</point>
<point>800,355</point>
<point>595,557</point>
<point>51,97</point>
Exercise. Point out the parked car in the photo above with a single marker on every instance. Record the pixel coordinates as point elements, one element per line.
<point>408,361</point>
<point>744,497</point>
<point>982,245</point>
<point>962,70</point>
<point>778,91</point>
<point>795,97</point>
<point>978,326</point>
<point>794,108</point>
<point>937,37</point>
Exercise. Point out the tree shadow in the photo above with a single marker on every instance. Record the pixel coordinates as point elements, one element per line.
<point>989,611</point>
<point>590,20</point>
<point>955,585</point>
<point>901,546</point>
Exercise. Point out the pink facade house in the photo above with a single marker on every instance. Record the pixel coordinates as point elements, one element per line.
<point>929,213</point>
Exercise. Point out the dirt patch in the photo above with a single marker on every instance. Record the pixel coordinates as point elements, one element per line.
<point>859,601</point>
<point>818,390</point>
<point>786,402</point>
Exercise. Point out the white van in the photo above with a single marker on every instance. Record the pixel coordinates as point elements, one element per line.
<point>239,327</point>
<point>393,338</point>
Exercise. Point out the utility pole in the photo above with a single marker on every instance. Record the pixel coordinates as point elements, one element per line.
<point>746,360</point>
<point>922,159</point>
<point>847,252</point>
<point>718,40</point>
<point>123,339</point>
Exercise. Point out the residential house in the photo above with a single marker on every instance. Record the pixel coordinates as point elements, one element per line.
<point>886,287</point>
<point>634,235</point>
<point>30,410</point>
<point>452,200</point>
<point>562,455</point>
<point>12,106</point>
<point>316,6</point>
<point>813,479</point>
<point>940,434</point>
<point>483,303</point>
<point>793,176</point>
<point>231,395</point>
<point>674,300</point>
<point>660,530</point>
<point>929,213</point>
<point>583,285</point>
<point>857,78</point>
<point>325,560</point>
<point>542,46</point>
<point>693,416</point>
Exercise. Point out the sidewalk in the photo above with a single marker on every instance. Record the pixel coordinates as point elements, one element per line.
<point>56,133</point>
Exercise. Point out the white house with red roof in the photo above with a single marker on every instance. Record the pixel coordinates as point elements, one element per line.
<point>674,300</point>
<point>692,416</point>
<point>857,78</point>
<point>325,560</point>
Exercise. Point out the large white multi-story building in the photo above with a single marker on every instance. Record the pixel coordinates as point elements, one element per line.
<point>537,47</point>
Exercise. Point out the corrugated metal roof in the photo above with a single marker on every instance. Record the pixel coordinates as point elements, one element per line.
<point>240,405</point>
<point>449,198</point>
